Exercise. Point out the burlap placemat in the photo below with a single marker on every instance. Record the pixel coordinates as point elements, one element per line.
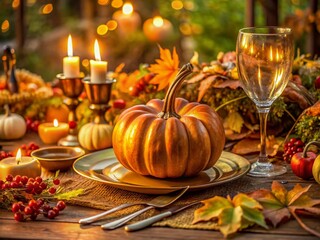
<point>101,196</point>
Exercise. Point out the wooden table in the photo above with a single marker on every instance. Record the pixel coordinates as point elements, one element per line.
<point>66,225</point>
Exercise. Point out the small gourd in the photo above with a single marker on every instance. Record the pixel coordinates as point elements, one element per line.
<point>170,138</point>
<point>96,135</point>
<point>12,125</point>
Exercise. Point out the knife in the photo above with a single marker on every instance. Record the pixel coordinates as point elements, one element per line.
<point>148,221</point>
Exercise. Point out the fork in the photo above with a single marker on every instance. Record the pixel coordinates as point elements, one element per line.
<point>156,200</point>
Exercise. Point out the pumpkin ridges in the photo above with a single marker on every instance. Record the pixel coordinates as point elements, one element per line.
<point>133,143</point>
<point>155,140</point>
<point>119,134</point>
<point>176,139</point>
<point>199,145</point>
<point>180,103</point>
<point>13,126</point>
<point>156,104</point>
<point>94,136</point>
<point>215,128</point>
<point>187,108</point>
<point>140,107</point>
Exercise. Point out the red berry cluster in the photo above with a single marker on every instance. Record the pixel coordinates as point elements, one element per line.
<point>25,208</point>
<point>32,125</point>
<point>31,210</point>
<point>290,148</point>
<point>141,85</point>
<point>4,154</point>
<point>28,148</point>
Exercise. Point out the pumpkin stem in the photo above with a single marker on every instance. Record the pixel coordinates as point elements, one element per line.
<point>7,110</point>
<point>305,150</point>
<point>168,109</point>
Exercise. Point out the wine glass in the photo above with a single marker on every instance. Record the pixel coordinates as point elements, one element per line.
<point>264,62</point>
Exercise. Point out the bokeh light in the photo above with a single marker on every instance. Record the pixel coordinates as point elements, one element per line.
<point>158,21</point>
<point>15,3</point>
<point>46,9</point>
<point>5,26</point>
<point>116,3</point>
<point>85,63</point>
<point>102,29</point>
<point>103,2</point>
<point>112,25</point>
<point>177,4</point>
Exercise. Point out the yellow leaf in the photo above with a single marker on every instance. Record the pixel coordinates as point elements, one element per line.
<point>230,220</point>
<point>234,121</point>
<point>279,191</point>
<point>211,209</point>
<point>242,199</point>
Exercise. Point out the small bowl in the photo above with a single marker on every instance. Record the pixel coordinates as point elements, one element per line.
<point>57,158</point>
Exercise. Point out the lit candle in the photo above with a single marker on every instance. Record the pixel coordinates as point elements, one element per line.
<point>157,28</point>
<point>98,68</point>
<point>71,64</point>
<point>128,20</point>
<point>51,133</point>
<point>23,166</point>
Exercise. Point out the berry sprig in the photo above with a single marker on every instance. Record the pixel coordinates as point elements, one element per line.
<point>29,197</point>
<point>33,208</point>
<point>290,148</point>
<point>25,148</point>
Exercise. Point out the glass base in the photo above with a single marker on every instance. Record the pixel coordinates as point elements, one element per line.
<point>266,170</point>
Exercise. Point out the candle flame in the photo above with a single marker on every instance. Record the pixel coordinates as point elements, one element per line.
<point>18,156</point>
<point>158,21</point>
<point>70,48</point>
<point>55,123</point>
<point>97,51</point>
<point>127,9</point>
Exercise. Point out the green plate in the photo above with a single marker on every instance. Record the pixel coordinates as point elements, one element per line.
<point>104,167</point>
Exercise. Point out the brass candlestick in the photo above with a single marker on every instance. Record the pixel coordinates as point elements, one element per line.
<point>99,96</point>
<point>72,88</point>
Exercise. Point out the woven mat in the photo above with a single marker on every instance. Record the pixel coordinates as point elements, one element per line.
<point>101,196</point>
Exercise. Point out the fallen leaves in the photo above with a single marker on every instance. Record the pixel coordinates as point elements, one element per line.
<point>231,214</point>
<point>275,206</point>
<point>280,204</point>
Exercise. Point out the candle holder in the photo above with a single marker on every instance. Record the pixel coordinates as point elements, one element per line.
<point>72,88</point>
<point>99,96</point>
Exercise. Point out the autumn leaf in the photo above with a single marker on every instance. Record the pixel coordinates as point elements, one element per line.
<point>231,214</point>
<point>205,85</point>
<point>165,68</point>
<point>234,121</point>
<point>279,205</point>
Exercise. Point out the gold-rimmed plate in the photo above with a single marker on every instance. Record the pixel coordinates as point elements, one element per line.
<point>104,167</point>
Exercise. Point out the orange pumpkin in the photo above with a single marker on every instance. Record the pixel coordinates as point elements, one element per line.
<point>170,138</point>
<point>60,113</point>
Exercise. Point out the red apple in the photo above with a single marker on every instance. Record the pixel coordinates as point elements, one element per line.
<point>302,165</point>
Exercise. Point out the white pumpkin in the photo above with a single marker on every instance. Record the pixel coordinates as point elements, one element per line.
<point>95,136</point>
<point>12,125</point>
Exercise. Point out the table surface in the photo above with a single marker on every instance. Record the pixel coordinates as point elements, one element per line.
<point>66,225</point>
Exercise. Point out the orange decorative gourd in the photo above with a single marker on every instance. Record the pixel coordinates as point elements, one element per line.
<point>169,138</point>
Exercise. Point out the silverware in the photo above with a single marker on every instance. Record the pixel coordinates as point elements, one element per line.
<point>147,222</point>
<point>158,202</point>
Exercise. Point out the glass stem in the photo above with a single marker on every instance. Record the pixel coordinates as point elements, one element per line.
<point>263,114</point>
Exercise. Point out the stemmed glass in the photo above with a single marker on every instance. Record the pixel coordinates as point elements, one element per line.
<point>264,62</point>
